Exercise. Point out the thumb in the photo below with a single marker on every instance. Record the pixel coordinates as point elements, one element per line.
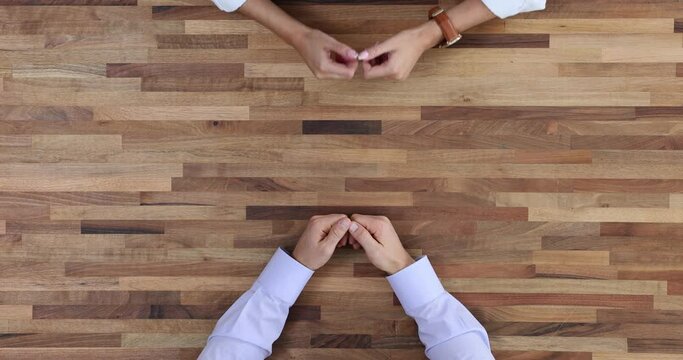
<point>337,232</point>
<point>375,51</point>
<point>362,236</point>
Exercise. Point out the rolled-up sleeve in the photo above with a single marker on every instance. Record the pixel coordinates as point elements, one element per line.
<point>229,5</point>
<point>507,8</point>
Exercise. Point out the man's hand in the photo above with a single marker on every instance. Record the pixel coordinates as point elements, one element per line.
<point>317,243</point>
<point>381,243</point>
<point>395,57</point>
<point>326,57</point>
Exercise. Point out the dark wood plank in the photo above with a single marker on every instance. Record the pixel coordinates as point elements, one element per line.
<point>68,2</point>
<point>122,227</point>
<point>640,316</point>
<point>641,229</point>
<point>90,297</point>
<point>661,346</point>
<point>257,184</point>
<point>527,113</point>
<point>340,127</point>
<point>541,355</point>
<point>503,41</point>
<point>344,341</point>
<point>393,212</point>
<point>642,302</point>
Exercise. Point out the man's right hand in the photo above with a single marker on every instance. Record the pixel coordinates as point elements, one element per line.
<point>326,57</point>
<point>381,243</point>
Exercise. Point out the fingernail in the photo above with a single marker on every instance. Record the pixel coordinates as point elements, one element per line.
<point>345,223</point>
<point>353,226</point>
<point>363,55</point>
<point>351,54</point>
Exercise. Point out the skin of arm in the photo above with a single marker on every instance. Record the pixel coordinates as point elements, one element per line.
<point>395,57</point>
<point>325,56</point>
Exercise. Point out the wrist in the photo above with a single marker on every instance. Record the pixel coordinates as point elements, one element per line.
<point>401,264</point>
<point>298,35</point>
<point>301,259</point>
<point>430,34</point>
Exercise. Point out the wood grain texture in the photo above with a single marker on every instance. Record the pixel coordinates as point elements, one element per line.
<point>154,153</point>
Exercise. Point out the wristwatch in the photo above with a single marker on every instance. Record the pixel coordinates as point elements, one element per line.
<point>450,33</point>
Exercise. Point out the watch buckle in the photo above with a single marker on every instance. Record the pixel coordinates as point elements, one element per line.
<point>448,43</point>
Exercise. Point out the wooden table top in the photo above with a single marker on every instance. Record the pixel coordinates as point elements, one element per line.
<point>154,153</point>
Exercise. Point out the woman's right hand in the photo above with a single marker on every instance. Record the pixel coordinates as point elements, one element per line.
<point>326,57</point>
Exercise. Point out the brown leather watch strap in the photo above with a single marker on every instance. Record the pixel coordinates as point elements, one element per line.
<point>450,33</point>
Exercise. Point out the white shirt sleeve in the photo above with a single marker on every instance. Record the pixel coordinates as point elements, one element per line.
<point>229,5</point>
<point>446,328</point>
<point>251,325</point>
<point>507,8</point>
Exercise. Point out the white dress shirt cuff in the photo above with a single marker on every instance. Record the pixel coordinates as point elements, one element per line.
<point>417,284</point>
<point>507,8</point>
<point>284,278</point>
<point>229,5</point>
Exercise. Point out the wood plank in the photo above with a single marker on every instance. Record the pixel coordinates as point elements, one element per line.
<point>211,41</point>
<point>145,70</point>
<point>636,215</point>
<point>175,113</point>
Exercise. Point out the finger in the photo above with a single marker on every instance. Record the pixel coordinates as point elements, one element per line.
<point>333,69</point>
<point>344,240</point>
<point>354,243</point>
<point>366,67</point>
<point>372,223</point>
<point>321,224</point>
<point>376,50</point>
<point>342,50</point>
<point>337,232</point>
<point>387,69</point>
<point>362,236</point>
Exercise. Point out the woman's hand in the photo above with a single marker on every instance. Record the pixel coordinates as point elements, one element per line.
<point>326,57</point>
<point>395,57</point>
<point>381,243</point>
<point>317,243</point>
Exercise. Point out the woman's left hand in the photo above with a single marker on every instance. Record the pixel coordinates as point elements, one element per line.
<point>395,57</point>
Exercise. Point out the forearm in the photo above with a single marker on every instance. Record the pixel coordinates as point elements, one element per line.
<point>444,324</point>
<point>274,18</point>
<point>464,16</point>
<point>249,327</point>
